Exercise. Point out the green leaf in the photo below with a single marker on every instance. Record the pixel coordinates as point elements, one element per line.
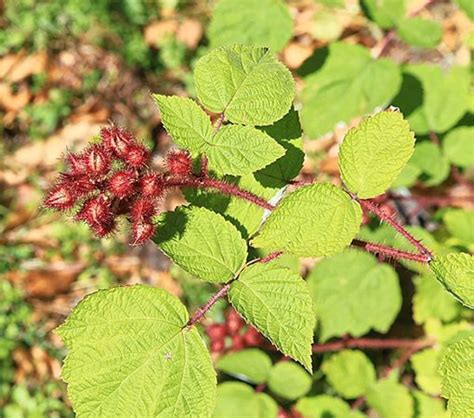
<point>458,146</point>
<point>246,83</point>
<point>427,407</point>
<point>251,22</point>
<point>277,302</point>
<point>325,406</point>
<point>434,165</point>
<point>432,301</point>
<point>433,99</point>
<point>354,299</point>
<point>456,274</point>
<point>467,6</point>
<point>407,177</point>
<point>350,373</point>
<point>185,121</point>
<point>251,364</point>
<point>129,352</point>
<point>425,364</point>
<point>202,242</point>
<point>460,224</point>
<point>420,32</point>
<point>390,399</point>
<point>343,89</point>
<point>289,380</point>
<point>240,150</point>
<point>374,153</point>
<point>386,13</point>
<point>457,369</point>
<point>313,221</point>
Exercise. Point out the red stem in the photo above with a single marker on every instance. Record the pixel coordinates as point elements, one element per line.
<point>197,316</point>
<point>371,344</point>
<point>222,186</point>
<point>385,217</point>
<point>375,248</point>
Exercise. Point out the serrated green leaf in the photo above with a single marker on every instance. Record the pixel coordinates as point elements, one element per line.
<point>460,224</point>
<point>246,83</point>
<point>457,369</point>
<point>240,150</point>
<point>343,89</point>
<point>277,302</point>
<point>425,364</point>
<point>202,242</point>
<point>456,274</point>
<point>432,301</point>
<point>421,33</point>
<point>433,99</point>
<point>354,300</point>
<point>251,364</point>
<point>350,373</point>
<point>390,399</point>
<point>432,163</point>
<point>458,146</point>
<point>251,22</point>
<point>185,121</point>
<point>428,407</point>
<point>289,380</point>
<point>325,406</point>
<point>374,153</point>
<point>313,221</point>
<point>128,352</point>
<point>386,13</point>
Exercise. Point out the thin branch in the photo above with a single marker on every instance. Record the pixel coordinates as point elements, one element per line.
<point>371,344</point>
<point>358,403</point>
<point>395,253</point>
<point>270,257</point>
<point>197,316</point>
<point>219,123</point>
<point>385,217</point>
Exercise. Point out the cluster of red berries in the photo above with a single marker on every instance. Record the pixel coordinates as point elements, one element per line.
<point>112,178</point>
<point>234,330</point>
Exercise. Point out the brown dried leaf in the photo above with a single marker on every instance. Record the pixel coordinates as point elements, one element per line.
<point>190,33</point>
<point>157,30</point>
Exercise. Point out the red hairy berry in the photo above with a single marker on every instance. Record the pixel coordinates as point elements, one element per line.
<point>136,155</point>
<point>77,164</point>
<point>122,184</point>
<point>143,210</point>
<point>252,337</point>
<point>96,210</point>
<point>60,197</point>
<point>141,232</point>
<point>104,228</point>
<point>79,186</point>
<point>116,140</point>
<point>216,331</point>
<point>179,163</point>
<point>97,160</point>
<point>151,185</point>
<point>217,346</point>
<point>234,322</point>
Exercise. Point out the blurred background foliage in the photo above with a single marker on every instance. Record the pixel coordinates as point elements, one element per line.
<point>67,67</point>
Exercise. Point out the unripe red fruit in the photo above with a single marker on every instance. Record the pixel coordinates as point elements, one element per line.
<point>122,184</point>
<point>237,343</point>
<point>252,337</point>
<point>141,232</point>
<point>95,211</point>
<point>216,331</point>
<point>217,346</point>
<point>60,197</point>
<point>97,161</point>
<point>234,322</point>
<point>151,185</point>
<point>116,140</point>
<point>79,186</point>
<point>142,210</point>
<point>136,156</point>
<point>77,164</point>
<point>179,163</point>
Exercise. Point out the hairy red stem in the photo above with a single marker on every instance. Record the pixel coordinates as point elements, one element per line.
<point>371,344</point>
<point>375,248</point>
<point>222,186</point>
<point>270,257</point>
<point>197,316</point>
<point>385,217</point>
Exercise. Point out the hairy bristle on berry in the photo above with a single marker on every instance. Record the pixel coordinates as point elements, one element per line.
<point>136,156</point>
<point>122,184</point>
<point>151,185</point>
<point>77,163</point>
<point>141,232</point>
<point>142,210</point>
<point>79,185</point>
<point>179,163</point>
<point>60,197</point>
<point>103,229</point>
<point>96,210</point>
<point>116,139</point>
<point>97,160</point>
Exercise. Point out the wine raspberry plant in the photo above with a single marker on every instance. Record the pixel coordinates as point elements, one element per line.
<point>136,351</point>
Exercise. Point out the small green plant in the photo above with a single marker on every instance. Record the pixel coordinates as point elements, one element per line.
<point>136,351</point>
